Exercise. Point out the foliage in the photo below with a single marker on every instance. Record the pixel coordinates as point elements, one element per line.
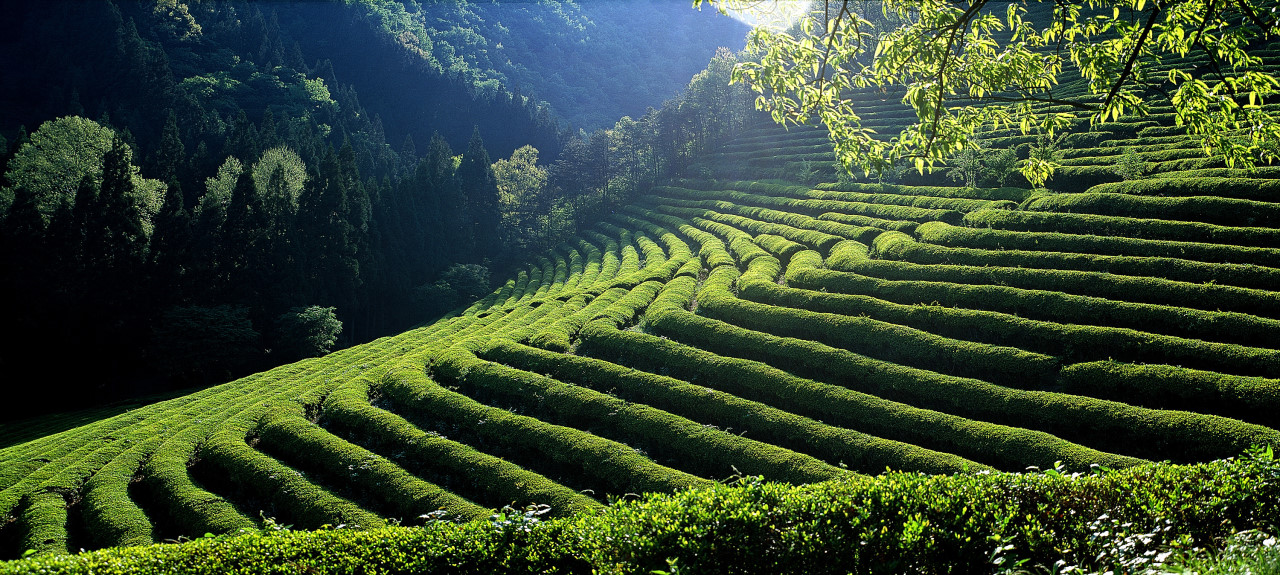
<point>1129,165</point>
<point>291,179</point>
<point>307,331</point>
<point>205,342</point>
<point>59,154</point>
<point>967,67</point>
<point>966,166</point>
<point>218,188</point>
<point>470,281</point>
<point>900,521</point>
<point>1244,552</point>
<point>521,190</point>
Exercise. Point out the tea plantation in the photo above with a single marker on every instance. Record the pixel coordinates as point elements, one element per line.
<point>741,324</point>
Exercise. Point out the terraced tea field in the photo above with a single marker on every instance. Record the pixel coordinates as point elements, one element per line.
<point>722,327</point>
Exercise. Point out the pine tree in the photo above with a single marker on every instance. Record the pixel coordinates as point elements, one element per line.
<point>480,190</point>
<point>443,184</point>
<point>171,155</point>
<point>244,241</point>
<point>168,256</point>
<point>329,265</point>
<point>22,249</point>
<point>115,240</point>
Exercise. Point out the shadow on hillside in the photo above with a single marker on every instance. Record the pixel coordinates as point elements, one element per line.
<point>24,430</point>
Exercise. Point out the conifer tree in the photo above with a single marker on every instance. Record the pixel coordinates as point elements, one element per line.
<point>170,244</point>
<point>442,183</point>
<point>244,240</point>
<point>480,190</point>
<point>171,155</point>
<point>330,269</point>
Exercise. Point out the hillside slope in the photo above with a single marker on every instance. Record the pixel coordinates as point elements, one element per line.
<point>716,328</point>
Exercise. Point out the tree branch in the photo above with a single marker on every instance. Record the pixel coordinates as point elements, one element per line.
<point>1133,57</point>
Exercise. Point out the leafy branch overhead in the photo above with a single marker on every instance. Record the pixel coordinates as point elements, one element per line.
<point>945,56</point>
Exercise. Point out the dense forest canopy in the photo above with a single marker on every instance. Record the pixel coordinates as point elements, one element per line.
<point>187,176</point>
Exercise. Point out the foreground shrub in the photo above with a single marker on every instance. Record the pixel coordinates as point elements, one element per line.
<point>894,523</point>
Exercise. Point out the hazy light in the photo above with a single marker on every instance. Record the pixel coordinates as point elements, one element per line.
<point>773,14</point>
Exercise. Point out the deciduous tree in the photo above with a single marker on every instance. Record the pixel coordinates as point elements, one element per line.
<point>969,65</point>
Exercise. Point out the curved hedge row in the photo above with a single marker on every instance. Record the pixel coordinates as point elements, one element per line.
<point>1253,399</point>
<point>1240,188</point>
<point>1091,224</point>
<point>779,247</point>
<point>1221,211</point>
<point>1111,286</point>
<point>1067,341</point>
<point>382,484</point>
<point>811,205</point>
<point>1101,424</point>
<point>686,444</point>
<point>1010,194</point>
<point>991,239</point>
<point>607,467</point>
<point>996,444</point>
<point>874,338</point>
<point>840,446</point>
<point>845,194</point>
<point>1228,327</point>
<point>459,467</point>
<point>903,247</point>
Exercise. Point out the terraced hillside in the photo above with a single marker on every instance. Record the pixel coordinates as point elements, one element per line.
<point>723,327</point>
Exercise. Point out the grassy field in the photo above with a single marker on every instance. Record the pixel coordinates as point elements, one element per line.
<point>753,322</point>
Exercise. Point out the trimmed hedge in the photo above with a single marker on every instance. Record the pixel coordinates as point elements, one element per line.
<point>814,205</point>
<point>1241,188</point>
<point>874,338</point>
<point>858,451</point>
<point>1122,226</point>
<point>606,467</point>
<point>1070,342</point>
<point>110,515</point>
<point>686,444</point>
<point>1231,327</point>
<point>1112,286</point>
<point>373,479</point>
<point>990,239</point>
<point>1007,447</point>
<point>1252,399</point>
<point>845,193</point>
<point>1100,424</point>
<point>864,221</point>
<point>292,497</point>
<point>903,247</point>
<point>42,522</point>
<point>559,335</point>
<point>780,247</point>
<point>1011,194</point>
<point>1220,211</point>
<point>489,480</point>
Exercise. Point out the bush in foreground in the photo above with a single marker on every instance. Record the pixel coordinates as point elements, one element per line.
<point>1124,520</point>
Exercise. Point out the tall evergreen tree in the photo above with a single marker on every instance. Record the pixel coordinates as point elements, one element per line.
<point>171,154</point>
<point>114,233</point>
<point>22,252</point>
<point>443,184</point>
<point>169,250</point>
<point>480,190</point>
<point>244,241</point>
<point>330,270</point>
